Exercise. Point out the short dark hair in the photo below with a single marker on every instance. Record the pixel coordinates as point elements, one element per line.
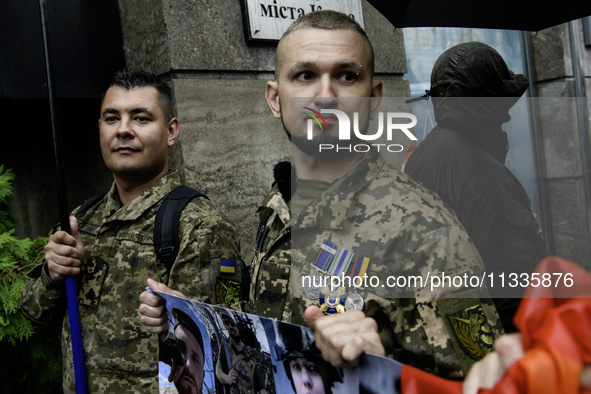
<point>328,20</point>
<point>131,78</point>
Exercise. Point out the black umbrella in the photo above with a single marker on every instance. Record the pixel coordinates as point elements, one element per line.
<point>71,288</point>
<point>530,15</point>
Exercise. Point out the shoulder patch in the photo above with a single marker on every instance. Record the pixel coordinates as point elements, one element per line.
<point>227,266</point>
<point>227,291</point>
<point>472,331</point>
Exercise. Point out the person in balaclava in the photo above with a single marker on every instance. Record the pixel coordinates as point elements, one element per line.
<point>306,369</point>
<point>463,161</point>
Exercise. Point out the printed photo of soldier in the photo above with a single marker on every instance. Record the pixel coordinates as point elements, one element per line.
<point>303,364</point>
<point>186,355</point>
<point>241,366</point>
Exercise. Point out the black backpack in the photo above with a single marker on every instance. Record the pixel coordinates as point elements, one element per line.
<point>166,224</point>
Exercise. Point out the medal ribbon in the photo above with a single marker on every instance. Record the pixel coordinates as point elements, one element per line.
<point>334,260</point>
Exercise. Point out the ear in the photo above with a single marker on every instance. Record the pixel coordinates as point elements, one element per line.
<point>272,96</point>
<point>377,93</point>
<point>173,131</point>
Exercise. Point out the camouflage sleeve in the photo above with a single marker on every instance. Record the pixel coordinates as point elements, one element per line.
<point>43,301</point>
<point>441,330</point>
<point>209,266</point>
<point>462,316</point>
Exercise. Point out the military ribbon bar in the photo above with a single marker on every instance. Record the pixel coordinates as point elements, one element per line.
<point>359,267</point>
<point>324,256</point>
<point>336,261</point>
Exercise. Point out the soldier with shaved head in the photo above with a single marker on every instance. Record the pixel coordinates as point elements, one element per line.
<point>352,206</point>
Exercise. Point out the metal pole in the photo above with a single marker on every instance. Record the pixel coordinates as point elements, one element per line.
<point>71,291</point>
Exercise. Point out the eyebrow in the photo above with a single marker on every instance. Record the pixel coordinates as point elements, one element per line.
<point>303,65</point>
<point>135,111</point>
<point>312,66</point>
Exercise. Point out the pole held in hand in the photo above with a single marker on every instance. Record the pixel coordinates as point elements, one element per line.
<point>71,290</point>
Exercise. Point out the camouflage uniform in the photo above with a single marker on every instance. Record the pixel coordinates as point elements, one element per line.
<point>120,356</point>
<point>244,362</point>
<point>378,212</point>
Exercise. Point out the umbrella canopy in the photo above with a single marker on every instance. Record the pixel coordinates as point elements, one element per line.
<point>531,15</point>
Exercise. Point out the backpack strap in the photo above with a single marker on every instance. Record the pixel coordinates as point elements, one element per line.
<point>89,203</point>
<point>166,224</point>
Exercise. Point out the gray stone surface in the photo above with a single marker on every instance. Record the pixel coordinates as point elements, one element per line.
<point>571,235</point>
<point>553,76</point>
<point>558,125</point>
<point>209,35</point>
<point>145,36</point>
<point>388,43</point>
<point>160,36</point>
<point>588,90</point>
<point>585,51</point>
<point>550,53</point>
<point>229,143</point>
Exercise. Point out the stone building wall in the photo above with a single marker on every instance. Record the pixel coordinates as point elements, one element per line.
<point>563,147</point>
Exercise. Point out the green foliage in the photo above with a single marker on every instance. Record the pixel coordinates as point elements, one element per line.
<point>17,257</point>
<point>6,217</point>
<point>31,357</point>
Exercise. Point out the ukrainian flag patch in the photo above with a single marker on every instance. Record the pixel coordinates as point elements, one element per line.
<point>227,266</point>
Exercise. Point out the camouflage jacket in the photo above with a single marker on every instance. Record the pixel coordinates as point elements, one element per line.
<point>246,363</point>
<point>406,231</point>
<point>120,356</point>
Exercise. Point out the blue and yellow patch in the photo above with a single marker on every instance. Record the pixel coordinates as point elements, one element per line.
<point>227,266</point>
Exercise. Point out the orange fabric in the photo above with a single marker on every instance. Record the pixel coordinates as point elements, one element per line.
<point>560,374</point>
<point>415,381</point>
<point>555,322</point>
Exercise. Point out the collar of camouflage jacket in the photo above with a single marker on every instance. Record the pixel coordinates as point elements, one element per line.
<point>114,210</point>
<point>331,209</point>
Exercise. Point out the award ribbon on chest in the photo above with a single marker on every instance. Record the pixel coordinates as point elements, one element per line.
<point>335,261</point>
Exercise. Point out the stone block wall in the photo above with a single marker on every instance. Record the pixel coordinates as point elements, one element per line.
<point>563,147</point>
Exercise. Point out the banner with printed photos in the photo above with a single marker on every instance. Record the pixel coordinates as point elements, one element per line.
<point>209,349</point>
